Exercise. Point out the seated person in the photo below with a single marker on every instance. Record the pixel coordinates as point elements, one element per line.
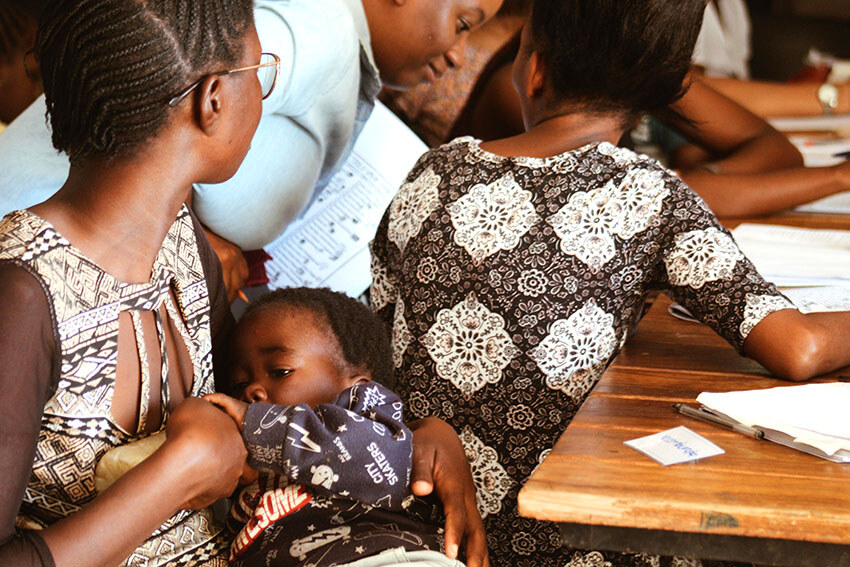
<point>512,271</point>
<point>330,446</point>
<point>20,80</point>
<point>737,162</point>
<point>722,54</point>
<point>335,54</point>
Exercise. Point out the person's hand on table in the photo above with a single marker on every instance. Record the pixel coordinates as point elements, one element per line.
<point>440,465</point>
<point>234,268</point>
<point>212,450</point>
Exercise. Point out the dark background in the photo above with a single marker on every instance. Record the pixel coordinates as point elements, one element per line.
<point>783,31</point>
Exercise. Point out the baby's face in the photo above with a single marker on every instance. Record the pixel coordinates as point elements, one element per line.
<point>286,356</point>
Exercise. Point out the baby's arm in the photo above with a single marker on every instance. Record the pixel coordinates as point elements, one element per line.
<point>358,447</point>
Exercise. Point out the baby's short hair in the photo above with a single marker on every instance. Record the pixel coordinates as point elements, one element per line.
<point>361,335</point>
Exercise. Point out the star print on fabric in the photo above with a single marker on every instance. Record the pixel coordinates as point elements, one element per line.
<point>342,428</point>
<point>359,549</point>
<point>311,528</point>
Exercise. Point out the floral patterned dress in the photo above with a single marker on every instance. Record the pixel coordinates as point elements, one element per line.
<point>511,283</point>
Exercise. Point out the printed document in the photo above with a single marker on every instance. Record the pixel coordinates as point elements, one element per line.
<point>328,246</point>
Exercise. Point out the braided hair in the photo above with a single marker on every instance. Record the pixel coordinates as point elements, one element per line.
<point>361,335</point>
<point>110,66</point>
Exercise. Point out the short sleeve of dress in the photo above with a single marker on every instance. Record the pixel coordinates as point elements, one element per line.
<point>28,376</point>
<point>705,271</point>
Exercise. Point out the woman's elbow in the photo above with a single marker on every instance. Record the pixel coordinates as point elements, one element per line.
<point>803,358</point>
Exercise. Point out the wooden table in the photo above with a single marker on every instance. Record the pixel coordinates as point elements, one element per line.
<point>758,502</point>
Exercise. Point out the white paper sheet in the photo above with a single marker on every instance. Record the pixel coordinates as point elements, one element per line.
<point>793,256</point>
<point>813,414</point>
<point>820,299</point>
<point>834,123</point>
<point>329,245</point>
<point>677,445</point>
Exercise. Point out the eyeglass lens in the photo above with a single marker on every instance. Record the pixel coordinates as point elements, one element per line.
<point>267,74</point>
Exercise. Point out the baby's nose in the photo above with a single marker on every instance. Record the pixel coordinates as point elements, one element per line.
<point>255,393</point>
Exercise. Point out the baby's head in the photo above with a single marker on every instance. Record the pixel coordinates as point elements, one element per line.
<point>304,345</point>
<point>606,57</point>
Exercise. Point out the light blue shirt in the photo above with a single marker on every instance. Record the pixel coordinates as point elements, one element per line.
<point>325,92</point>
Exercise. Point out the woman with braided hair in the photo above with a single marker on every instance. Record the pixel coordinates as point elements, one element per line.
<point>113,301</point>
<point>112,298</point>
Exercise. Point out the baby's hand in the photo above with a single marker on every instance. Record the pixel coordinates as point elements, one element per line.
<point>231,406</point>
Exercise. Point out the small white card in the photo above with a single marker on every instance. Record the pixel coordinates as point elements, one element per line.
<point>677,445</point>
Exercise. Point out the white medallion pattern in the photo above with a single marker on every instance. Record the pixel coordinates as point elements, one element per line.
<point>401,334</point>
<point>760,306</point>
<point>590,220</point>
<point>573,355</point>
<point>491,481</point>
<point>411,206</point>
<point>492,217</point>
<point>469,345</point>
<point>701,256</point>
<point>382,289</point>
<point>588,559</point>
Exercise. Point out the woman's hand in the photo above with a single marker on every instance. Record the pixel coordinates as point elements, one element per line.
<point>234,268</point>
<point>211,449</point>
<point>440,464</point>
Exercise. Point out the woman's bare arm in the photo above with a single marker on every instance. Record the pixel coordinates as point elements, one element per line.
<point>799,346</point>
<point>778,99</point>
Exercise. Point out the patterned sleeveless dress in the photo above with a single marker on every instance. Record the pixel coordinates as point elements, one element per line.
<point>77,427</point>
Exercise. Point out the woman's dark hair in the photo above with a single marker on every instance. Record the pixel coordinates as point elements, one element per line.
<point>361,335</point>
<point>625,56</point>
<point>110,66</point>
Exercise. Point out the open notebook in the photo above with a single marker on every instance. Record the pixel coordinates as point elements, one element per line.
<point>812,418</point>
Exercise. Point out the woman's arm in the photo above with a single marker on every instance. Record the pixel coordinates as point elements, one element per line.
<point>755,194</point>
<point>736,140</point>
<point>26,379</point>
<point>754,170</point>
<point>799,346</point>
<point>778,99</point>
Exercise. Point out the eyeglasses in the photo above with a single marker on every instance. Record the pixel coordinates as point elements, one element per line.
<point>267,71</point>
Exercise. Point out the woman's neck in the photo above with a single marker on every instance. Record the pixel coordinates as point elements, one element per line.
<point>118,213</point>
<point>555,135</point>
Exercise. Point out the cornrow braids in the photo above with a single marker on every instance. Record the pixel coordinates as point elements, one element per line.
<point>109,67</point>
<point>361,335</point>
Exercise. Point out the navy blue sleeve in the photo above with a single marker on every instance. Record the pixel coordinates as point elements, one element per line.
<point>358,447</point>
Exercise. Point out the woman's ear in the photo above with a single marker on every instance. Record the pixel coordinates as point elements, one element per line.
<point>210,106</point>
<point>536,75</point>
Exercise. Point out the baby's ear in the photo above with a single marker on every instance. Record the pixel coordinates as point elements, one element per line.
<point>361,378</point>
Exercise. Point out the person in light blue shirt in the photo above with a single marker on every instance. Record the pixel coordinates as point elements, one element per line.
<point>335,55</point>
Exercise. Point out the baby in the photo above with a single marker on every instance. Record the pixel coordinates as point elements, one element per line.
<point>332,451</point>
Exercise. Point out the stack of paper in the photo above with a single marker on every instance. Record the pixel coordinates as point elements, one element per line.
<point>812,418</point>
<point>795,257</point>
